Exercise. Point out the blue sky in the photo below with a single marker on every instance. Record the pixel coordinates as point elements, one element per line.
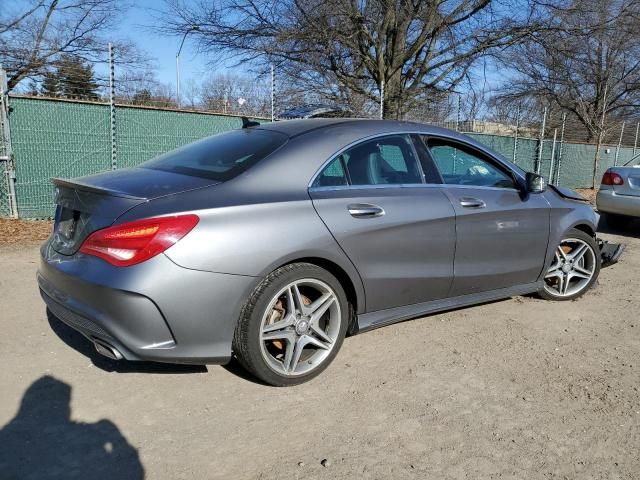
<point>137,24</point>
<point>136,27</point>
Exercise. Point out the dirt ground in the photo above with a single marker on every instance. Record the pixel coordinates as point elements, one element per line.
<point>520,389</point>
<point>23,232</point>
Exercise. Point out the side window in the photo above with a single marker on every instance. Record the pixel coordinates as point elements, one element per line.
<point>383,161</point>
<point>461,166</point>
<point>332,175</point>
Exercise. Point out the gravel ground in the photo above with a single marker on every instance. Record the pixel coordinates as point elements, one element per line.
<point>521,389</point>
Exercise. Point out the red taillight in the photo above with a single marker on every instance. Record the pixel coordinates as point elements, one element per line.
<point>134,242</point>
<point>612,178</point>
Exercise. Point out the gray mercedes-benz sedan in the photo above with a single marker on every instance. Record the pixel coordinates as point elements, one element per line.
<point>272,242</point>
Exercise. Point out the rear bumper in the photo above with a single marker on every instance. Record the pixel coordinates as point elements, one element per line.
<point>608,201</point>
<point>155,311</point>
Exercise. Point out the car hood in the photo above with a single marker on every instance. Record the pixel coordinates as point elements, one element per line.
<point>568,193</point>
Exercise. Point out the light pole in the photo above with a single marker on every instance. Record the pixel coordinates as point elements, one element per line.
<point>191,29</point>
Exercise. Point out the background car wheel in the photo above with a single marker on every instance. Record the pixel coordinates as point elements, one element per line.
<point>574,269</point>
<point>618,222</point>
<point>292,326</point>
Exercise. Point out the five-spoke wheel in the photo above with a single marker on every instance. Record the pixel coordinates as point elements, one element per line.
<point>300,327</point>
<point>574,268</point>
<point>293,325</point>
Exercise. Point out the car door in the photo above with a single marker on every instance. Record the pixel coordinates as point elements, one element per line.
<point>397,229</point>
<point>501,233</point>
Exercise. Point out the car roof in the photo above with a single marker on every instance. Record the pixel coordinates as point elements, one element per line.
<point>294,128</point>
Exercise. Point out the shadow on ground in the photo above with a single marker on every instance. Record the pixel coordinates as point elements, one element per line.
<point>632,229</point>
<point>43,442</point>
<point>81,344</point>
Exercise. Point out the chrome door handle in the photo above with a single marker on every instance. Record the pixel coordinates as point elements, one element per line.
<point>365,210</point>
<point>469,202</point>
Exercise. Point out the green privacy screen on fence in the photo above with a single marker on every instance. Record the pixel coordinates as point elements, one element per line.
<point>65,139</point>
<point>68,139</point>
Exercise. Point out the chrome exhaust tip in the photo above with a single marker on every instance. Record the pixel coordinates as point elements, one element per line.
<point>107,350</point>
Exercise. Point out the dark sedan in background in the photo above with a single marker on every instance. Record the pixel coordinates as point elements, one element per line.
<point>272,242</point>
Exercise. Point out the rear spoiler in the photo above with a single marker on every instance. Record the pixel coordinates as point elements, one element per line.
<point>78,185</point>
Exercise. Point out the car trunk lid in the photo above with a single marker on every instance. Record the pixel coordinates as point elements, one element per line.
<point>631,178</point>
<point>87,204</point>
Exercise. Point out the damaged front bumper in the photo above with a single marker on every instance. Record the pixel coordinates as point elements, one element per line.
<point>609,252</point>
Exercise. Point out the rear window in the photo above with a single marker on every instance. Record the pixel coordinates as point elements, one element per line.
<point>221,157</point>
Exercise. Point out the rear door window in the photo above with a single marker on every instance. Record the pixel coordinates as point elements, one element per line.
<point>221,157</point>
<point>382,161</point>
<point>333,175</point>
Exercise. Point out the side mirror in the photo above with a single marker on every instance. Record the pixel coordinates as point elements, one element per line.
<point>535,183</point>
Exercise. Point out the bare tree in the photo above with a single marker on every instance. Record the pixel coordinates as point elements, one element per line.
<point>349,48</point>
<point>586,61</point>
<point>231,93</point>
<point>35,34</point>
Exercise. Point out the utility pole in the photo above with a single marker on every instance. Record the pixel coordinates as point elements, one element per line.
<point>193,28</point>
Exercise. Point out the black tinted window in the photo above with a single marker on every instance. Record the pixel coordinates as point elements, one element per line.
<point>222,156</point>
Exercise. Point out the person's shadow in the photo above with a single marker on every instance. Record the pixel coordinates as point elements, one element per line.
<point>42,442</point>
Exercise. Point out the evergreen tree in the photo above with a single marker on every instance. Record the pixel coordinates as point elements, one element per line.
<point>72,78</point>
<point>50,84</point>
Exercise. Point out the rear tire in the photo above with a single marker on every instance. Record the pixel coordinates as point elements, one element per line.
<point>292,326</point>
<point>574,269</point>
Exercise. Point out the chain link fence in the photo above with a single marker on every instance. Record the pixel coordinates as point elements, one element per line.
<point>71,139</point>
<point>64,138</point>
<point>6,160</point>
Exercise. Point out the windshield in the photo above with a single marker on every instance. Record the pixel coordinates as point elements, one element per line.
<point>221,157</point>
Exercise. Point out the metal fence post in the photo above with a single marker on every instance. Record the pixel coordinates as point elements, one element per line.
<point>112,110</point>
<point>273,93</point>
<point>553,153</point>
<point>561,150</point>
<point>382,100</point>
<point>6,152</point>
<point>635,141</point>
<point>615,160</point>
<point>515,138</point>
<point>541,141</point>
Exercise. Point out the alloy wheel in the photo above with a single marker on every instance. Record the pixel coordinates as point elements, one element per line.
<point>300,327</point>
<point>573,267</point>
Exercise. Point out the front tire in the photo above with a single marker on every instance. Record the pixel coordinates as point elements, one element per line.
<point>292,326</point>
<point>574,269</point>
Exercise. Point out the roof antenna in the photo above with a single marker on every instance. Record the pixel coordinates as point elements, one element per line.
<point>246,123</point>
